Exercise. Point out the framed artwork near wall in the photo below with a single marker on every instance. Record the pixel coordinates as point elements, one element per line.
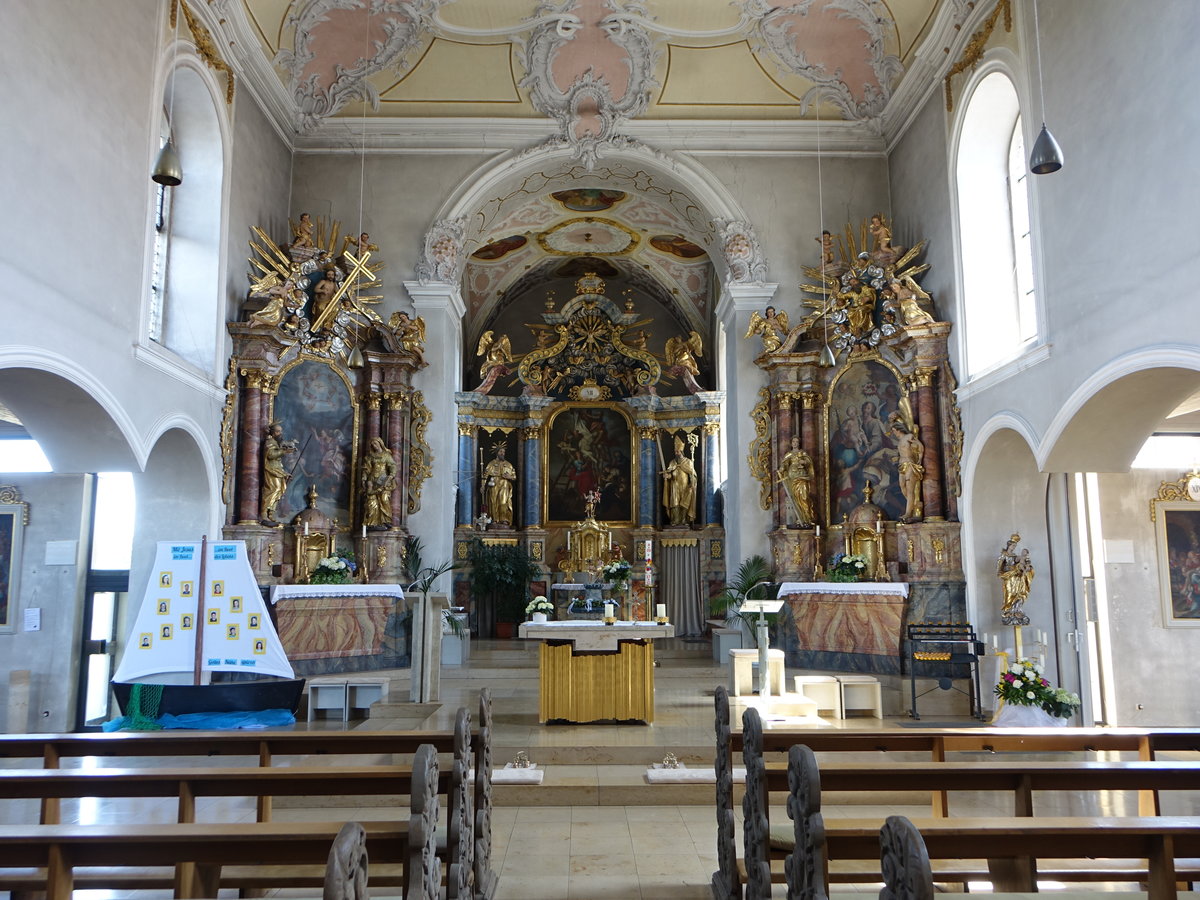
<point>12,526</point>
<point>590,446</point>
<point>1178,525</point>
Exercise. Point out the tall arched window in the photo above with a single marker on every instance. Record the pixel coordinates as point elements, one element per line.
<point>1000,318</point>
<point>185,304</point>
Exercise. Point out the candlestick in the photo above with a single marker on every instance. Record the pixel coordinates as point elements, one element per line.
<point>660,612</point>
<point>306,529</point>
<point>878,526</point>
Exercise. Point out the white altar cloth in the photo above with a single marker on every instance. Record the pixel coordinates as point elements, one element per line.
<point>291,591</point>
<point>588,635</point>
<point>843,587</point>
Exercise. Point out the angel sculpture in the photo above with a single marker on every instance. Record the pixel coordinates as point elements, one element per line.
<point>773,327</point>
<point>496,352</point>
<point>909,454</point>
<point>683,353</point>
<point>410,331</point>
<point>907,292</point>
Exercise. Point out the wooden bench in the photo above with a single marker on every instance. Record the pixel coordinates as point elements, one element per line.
<point>1021,779</point>
<point>469,846</point>
<point>199,851</point>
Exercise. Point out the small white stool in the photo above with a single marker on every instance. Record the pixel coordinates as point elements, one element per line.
<point>724,640</point>
<point>741,673</point>
<point>861,692</point>
<point>823,690</point>
<point>327,695</point>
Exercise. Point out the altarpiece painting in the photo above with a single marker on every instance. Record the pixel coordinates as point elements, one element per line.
<point>589,448</point>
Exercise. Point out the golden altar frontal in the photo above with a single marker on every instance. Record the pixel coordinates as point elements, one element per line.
<point>589,671</point>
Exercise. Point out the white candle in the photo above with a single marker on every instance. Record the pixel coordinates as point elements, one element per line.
<point>364,531</point>
<point>995,642</point>
<point>608,610</point>
<point>649,577</point>
<point>818,531</point>
<point>568,541</point>
<point>649,550</point>
<point>878,526</point>
<point>660,610</point>
<point>306,529</point>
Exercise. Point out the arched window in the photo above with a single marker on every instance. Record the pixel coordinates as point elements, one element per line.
<point>184,307</point>
<point>1000,318</point>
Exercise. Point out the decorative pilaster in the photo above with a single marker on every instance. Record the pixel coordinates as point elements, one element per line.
<point>250,458</point>
<point>396,429</point>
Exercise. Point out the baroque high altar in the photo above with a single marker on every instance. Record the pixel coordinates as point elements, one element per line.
<point>590,432</point>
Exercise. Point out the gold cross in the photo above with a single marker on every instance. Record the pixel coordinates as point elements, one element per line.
<point>358,268</point>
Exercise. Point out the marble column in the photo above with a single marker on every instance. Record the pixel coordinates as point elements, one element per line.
<point>712,473</point>
<point>532,482</point>
<point>925,410</point>
<point>397,428</point>
<point>648,481</point>
<point>468,498</point>
<point>374,403</point>
<point>252,427</point>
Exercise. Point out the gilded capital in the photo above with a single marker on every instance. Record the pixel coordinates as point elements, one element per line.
<point>374,401</point>
<point>648,432</point>
<point>531,433</point>
<point>257,379</point>
<point>467,430</point>
<point>923,376</point>
<point>810,399</point>
<point>712,429</point>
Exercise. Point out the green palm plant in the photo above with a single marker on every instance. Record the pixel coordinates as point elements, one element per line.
<point>753,571</point>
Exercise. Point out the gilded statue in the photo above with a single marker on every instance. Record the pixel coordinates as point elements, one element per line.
<point>910,453</point>
<point>359,245</point>
<point>679,487</point>
<point>882,249</point>
<point>683,352</point>
<point>796,473</point>
<point>378,483</point>
<point>499,476</point>
<point>323,291</point>
<point>302,233</point>
<point>1016,575</point>
<point>410,331</point>
<point>858,300</point>
<point>274,476</point>
<point>496,351</point>
<point>773,327</point>
<point>907,293</point>
<point>826,242</point>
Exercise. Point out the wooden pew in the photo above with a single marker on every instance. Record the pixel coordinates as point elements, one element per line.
<point>1019,778</point>
<point>468,843</point>
<point>347,866</point>
<point>198,851</point>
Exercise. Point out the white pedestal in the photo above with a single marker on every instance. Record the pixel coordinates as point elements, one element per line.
<point>824,690</point>
<point>741,675</point>
<point>724,640</point>
<point>861,692</point>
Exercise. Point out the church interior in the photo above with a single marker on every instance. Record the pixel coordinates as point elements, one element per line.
<point>623,294</point>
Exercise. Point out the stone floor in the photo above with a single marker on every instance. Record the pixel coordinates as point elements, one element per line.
<point>595,829</point>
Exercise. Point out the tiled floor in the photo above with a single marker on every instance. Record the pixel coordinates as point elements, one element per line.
<point>594,830</point>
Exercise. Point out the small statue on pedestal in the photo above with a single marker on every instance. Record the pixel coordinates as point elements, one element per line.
<point>1016,575</point>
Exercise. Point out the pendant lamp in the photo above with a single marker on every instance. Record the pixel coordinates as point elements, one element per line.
<point>167,170</point>
<point>1047,156</point>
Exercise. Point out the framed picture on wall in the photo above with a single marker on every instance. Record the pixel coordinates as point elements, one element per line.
<point>1179,562</point>
<point>12,526</point>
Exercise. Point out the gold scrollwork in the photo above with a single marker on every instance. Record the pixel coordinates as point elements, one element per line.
<point>1186,487</point>
<point>206,47</point>
<point>712,429</point>
<point>532,432</point>
<point>259,380</point>
<point>648,432</point>
<point>955,429</point>
<point>10,495</point>
<point>228,427</point>
<point>973,52</point>
<point>374,401</point>
<point>420,457</point>
<point>536,550</point>
<point>923,376</point>
<point>461,550</point>
<point>716,549</point>
<point>466,429</point>
<point>759,456</point>
<point>810,399</point>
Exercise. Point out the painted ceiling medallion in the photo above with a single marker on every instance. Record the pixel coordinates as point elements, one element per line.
<point>589,235</point>
<point>340,44</point>
<point>589,65</point>
<point>837,44</point>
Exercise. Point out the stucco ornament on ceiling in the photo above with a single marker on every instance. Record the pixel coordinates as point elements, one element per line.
<point>443,258</point>
<point>590,235</point>
<point>824,41</point>
<point>589,93</point>
<point>377,34</point>
<point>743,254</point>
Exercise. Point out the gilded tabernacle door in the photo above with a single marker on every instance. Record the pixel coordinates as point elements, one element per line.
<point>590,447</point>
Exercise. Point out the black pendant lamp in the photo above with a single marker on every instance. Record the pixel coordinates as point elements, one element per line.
<point>1047,156</point>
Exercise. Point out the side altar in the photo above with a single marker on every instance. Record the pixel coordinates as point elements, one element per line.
<point>333,628</point>
<point>857,451</point>
<point>592,671</point>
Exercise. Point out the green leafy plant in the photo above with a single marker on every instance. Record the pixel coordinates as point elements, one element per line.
<point>1024,685</point>
<point>422,578</point>
<point>334,570</point>
<point>847,567</point>
<point>500,576</point>
<point>753,571</point>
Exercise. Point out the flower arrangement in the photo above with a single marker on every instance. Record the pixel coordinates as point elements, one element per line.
<point>1024,685</point>
<point>539,604</point>
<point>617,572</point>
<point>334,570</point>
<point>847,567</point>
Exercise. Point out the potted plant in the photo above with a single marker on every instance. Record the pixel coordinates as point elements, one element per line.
<point>1030,700</point>
<point>337,569</point>
<point>539,608</point>
<point>753,571</point>
<point>847,568</point>
<point>500,576</point>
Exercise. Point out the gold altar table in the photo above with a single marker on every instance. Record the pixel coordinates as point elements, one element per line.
<point>590,672</point>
